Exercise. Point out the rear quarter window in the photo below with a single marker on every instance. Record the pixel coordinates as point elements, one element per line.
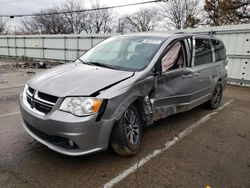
<point>219,50</point>
<point>203,52</point>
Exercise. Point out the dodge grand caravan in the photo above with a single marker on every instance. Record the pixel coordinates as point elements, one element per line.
<point>120,86</point>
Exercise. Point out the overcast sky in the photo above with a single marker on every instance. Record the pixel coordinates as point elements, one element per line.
<point>8,7</point>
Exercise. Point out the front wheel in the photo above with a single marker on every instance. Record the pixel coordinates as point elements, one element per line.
<point>126,134</point>
<point>215,100</point>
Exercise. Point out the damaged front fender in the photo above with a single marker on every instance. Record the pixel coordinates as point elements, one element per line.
<point>126,93</point>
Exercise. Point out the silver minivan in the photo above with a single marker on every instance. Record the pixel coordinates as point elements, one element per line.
<point>120,86</point>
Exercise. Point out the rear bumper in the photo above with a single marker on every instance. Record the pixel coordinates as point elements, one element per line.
<point>58,130</point>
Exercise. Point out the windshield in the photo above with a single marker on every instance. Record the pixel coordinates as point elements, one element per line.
<point>124,53</point>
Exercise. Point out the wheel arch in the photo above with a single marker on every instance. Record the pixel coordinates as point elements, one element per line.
<point>139,105</point>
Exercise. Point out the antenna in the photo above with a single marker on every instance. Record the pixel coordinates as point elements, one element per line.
<point>212,32</point>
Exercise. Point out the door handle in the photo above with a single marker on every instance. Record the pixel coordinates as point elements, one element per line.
<point>189,75</point>
<point>197,73</point>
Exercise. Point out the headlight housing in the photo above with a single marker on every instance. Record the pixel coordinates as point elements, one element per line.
<point>81,106</point>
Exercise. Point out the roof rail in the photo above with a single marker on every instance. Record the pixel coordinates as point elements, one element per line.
<point>181,32</point>
<point>212,32</point>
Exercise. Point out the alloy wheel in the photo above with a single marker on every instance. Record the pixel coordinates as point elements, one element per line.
<point>131,126</point>
<point>217,95</point>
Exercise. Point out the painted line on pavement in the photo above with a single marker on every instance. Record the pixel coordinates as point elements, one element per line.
<point>167,145</point>
<point>9,114</point>
<point>11,87</point>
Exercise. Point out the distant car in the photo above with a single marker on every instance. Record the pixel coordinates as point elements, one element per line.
<point>120,86</point>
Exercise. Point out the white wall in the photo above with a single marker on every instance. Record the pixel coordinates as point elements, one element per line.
<point>49,47</point>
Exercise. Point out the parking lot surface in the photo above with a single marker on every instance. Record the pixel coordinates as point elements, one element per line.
<point>216,153</point>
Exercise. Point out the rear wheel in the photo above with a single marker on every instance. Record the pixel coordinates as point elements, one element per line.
<point>215,100</point>
<point>126,134</point>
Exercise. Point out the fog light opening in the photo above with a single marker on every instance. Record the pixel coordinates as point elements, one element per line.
<point>71,143</point>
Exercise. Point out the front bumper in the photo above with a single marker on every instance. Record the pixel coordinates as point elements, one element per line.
<point>57,129</point>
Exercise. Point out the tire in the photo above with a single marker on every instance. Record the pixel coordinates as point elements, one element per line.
<point>126,134</point>
<point>215,100</point>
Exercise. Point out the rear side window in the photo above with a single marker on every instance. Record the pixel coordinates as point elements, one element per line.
<point>219,50</point>
<point>203,52</point>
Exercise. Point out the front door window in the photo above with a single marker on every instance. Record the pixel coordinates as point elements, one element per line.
<point>173,58</point>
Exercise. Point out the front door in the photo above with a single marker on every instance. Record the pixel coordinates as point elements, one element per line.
<point>185,82</point>
<point>174,87</point>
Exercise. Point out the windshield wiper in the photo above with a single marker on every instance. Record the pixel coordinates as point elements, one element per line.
<point>82,61</point>
<point>98,64</point>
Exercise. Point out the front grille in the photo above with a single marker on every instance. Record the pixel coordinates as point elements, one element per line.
<point>31,90</point>
<point>40,101</point>
<point>47,97</point>
<point>42,108</point>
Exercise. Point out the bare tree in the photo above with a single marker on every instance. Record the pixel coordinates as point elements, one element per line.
<point>212,9</point>
<point>224,12</point>
<point>71,20</point>
<point>76,21</point>
<point>181,14</point>
<point>3,27</point>
<point>58,23</point>
<point>47,24</point>
<point>142,21</point>
<point>100,21</point>
<point>30,26</point>
<point>244,13</point>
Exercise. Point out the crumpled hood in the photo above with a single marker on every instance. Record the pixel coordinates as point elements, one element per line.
<point>76,79</point>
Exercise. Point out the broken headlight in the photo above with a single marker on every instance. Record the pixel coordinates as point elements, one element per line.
<point>81,106</point>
